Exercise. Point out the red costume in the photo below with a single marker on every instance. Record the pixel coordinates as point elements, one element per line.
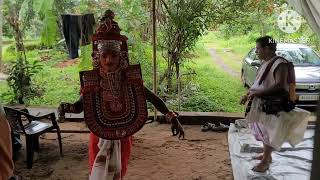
<point>126,144</point>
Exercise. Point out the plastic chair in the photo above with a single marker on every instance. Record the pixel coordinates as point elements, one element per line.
<point>32,129</point>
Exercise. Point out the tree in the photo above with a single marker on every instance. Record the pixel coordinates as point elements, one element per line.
<point>184,21</point>
<point>18,14</point>
<point>11,12</point>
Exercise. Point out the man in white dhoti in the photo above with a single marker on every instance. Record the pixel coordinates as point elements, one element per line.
<point>270,111</point>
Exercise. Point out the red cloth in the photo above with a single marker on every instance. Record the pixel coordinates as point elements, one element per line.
<point>126,144</point>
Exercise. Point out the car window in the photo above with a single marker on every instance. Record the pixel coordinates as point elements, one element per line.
<point>300,56</point>
<point>252,54</point>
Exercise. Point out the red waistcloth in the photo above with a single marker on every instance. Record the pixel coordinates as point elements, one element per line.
<point>126,144</point>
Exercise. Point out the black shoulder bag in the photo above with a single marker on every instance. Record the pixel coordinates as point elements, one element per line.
<point>278,102</point>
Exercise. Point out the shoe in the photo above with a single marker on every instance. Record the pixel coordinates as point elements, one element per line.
<point>207,126</point>
<point>221,127</point>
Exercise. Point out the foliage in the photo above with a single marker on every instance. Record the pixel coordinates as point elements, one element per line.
<point>19,79</point>
<point>210,90</point>
<point>260,18</point>
<point>31,47</point>
<point>24,15</point>
<point>214,89</point>
<point>86,60</point>
<point>48,16</point>
<point>59,85</point>
<point>183,22</point>
<point>11,10</point>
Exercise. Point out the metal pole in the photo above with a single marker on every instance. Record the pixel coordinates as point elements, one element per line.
<point>315,173</point>
<point>154,53</point>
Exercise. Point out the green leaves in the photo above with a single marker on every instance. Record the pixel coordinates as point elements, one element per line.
<point>26,13</point>
<point>49,31</point>
<point>86,60</point>
<point>182,23</point>
<point>19,79</point>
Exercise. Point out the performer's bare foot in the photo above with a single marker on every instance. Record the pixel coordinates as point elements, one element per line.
<point>263,166</point>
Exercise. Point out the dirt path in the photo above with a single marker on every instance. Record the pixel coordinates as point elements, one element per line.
<point>3,77</point>
<point>220,62</point>
<point>156,155</point>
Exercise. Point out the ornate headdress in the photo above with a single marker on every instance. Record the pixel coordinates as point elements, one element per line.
<point>108,37</point>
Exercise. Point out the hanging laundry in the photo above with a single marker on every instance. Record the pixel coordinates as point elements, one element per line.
<point>77,30</point>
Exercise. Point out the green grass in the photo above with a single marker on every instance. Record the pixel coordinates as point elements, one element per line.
<point>60,85</point>
<point>218,91</point>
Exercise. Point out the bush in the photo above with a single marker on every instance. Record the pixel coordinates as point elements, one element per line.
<point>19,80</point>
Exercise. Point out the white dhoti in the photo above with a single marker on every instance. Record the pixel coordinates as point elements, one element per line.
<point>107,165</point>
<point>274,130</point>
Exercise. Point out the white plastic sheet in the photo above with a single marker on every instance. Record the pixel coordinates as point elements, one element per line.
<point>288,164</point>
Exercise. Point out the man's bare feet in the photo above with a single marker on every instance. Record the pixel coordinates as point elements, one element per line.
<point>263,166</point>
<point>260,157</point>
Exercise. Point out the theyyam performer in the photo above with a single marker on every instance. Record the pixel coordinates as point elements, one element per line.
<point>113,99</point>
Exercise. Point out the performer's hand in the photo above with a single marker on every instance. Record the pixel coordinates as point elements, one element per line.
<point>65,108</point>
<point>62,111</point>
<point>176,126</point>
<point>170,116</point>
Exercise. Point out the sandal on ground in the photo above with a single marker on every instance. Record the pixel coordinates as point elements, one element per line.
<point>221,127</point>
<point>207,126</point>
<point>15,177</point>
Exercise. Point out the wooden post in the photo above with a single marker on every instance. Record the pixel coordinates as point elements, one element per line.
<point>1,43</point>
<point>179,92</point>
<point>154,43</point>
<point>315,173</point>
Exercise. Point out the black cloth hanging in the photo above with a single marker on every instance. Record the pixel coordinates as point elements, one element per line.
<point>77,30</point>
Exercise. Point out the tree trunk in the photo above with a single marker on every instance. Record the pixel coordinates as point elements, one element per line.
<point>177,74</point>
<point>169,75</point>
<point>18,36</point>
<point>19,42</point>
<point>163,77</point>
